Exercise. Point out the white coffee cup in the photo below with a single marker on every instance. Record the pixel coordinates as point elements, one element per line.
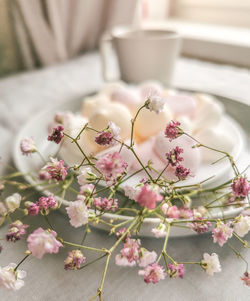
<point>142,54</point>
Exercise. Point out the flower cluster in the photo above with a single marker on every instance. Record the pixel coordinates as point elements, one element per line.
<point>112,166</point>
<point>54,170</point>
<point>74,260</point>
<point>43,241</point>
<point>173,130</point>
<point>110,136</point>
<point>153,196</point>
<point>16,231</point>
<point>44,204</point>
<point>56,135</point>
<point>105,204</point>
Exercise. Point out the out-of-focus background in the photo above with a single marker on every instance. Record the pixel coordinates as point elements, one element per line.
<point>37,33</point>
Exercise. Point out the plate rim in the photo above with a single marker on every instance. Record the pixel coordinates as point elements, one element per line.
<point>18,136</point>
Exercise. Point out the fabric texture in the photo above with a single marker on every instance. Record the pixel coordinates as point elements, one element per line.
<point>49,32</point>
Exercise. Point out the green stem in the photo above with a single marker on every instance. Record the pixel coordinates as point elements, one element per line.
<point>84,247</point>
<point>22,261</point>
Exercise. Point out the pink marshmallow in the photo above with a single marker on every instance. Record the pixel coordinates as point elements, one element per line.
<point>181,104</point>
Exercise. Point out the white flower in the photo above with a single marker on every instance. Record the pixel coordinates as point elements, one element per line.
<point>115,130</point>
<point>78,213</point>
<point>13,202</point>
<point>85,176</point>
<point>10,279</point>
<point>131,192</point>
<point>211,263</point>
<point>147,257</point>
<point>242,225</point>
<point>160,231</point>
<point>164,208</point>
<point>3,209</point>
<point>156,103</point>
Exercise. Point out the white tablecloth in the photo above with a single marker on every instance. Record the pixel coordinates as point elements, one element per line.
<point>24,95</point>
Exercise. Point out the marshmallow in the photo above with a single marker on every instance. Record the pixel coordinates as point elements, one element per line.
<point>91,103</point>
<point>69,151</point>
<point>150,123</point>
<point>128,97</point>
<point>181,104</point>
<point>115,112</point>
<point>208,113</point>
<point>216,138</point>
<point>191,156</point>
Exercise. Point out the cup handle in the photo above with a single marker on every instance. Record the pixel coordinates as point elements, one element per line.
<point>106,54</point>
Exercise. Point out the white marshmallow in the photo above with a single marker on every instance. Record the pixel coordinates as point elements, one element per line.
<point>115,112</point>
<point>208,113</point>
<point>91,103</point>
<point>150,123</point>
<point>215,138</point>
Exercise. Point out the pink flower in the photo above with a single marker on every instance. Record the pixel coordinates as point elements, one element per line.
<point>153,273</point>
<point>173,131</point>
<point>173,212</point>
<point>146,257</point>
<point>148,197</point>
<point>104,138</point>
<point>123,261</point>
<point>10,278</point>
<point>87,189</point>
<point>111,165</point>
<point>74,260</point>
<point>222,233</point>
<point>54,170</point>
<point>130,253</point>
<point>78,213</point>
<point>240,187</point>
<point>246,278</point>
<point>186,212</point>
<point>200,226</point>
<point>57,134</point>
<point>176,271</point>
<point>28,146</point>
<point>131,192</point>
<point>43,241</point>
<point>33,209</point>
<point>174,156</point>
<point>45,203</point>
<point>16,231</point>
<point>159,231</point>
<point>109,136</point>
<point>105,204</point>
<point>182,172</point>
<point>120,232</point>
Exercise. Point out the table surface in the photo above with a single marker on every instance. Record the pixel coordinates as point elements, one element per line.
<point>25,94</point>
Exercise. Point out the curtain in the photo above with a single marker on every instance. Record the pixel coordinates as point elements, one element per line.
<point>51,31</point>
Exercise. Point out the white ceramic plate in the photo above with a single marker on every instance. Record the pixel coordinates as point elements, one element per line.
<point>38,128</point>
